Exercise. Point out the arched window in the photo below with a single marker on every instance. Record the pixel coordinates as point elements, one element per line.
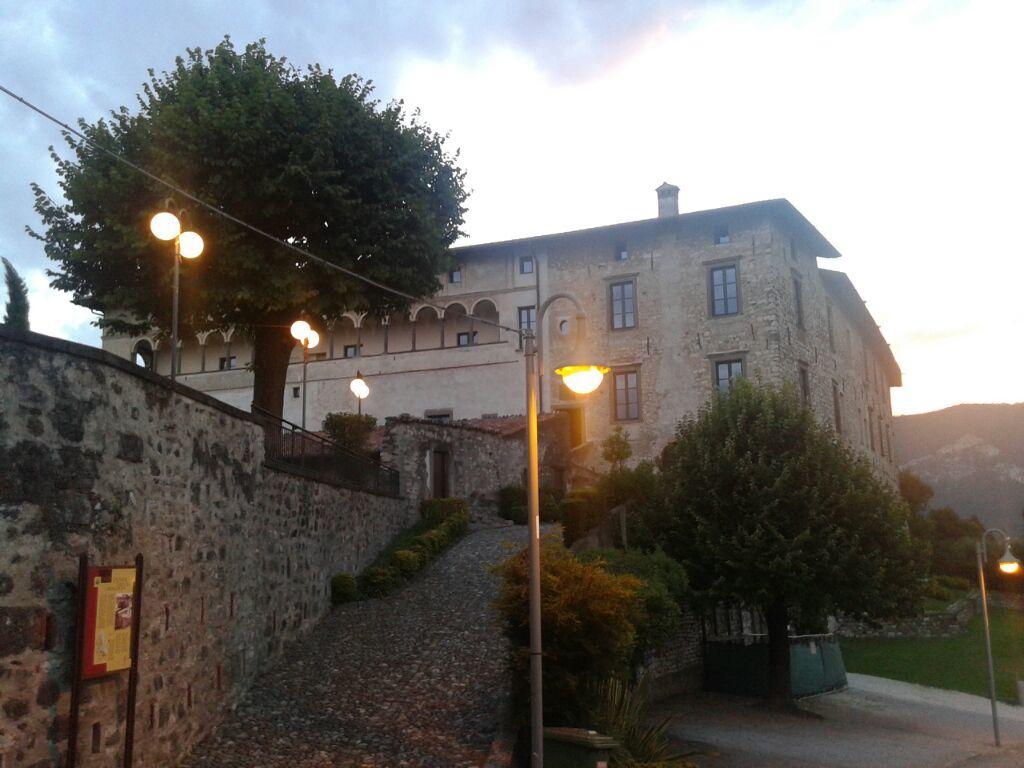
<point>142,354</point>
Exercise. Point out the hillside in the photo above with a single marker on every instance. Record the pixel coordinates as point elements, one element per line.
<point>973,456</point>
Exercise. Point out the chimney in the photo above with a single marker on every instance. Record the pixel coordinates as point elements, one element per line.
<point>668,200</point>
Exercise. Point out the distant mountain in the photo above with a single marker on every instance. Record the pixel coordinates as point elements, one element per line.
<point>973,456</point>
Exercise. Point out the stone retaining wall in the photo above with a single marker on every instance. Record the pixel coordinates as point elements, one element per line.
<point>100,456</point>
<point>950,623</point>
<point>677,667</point>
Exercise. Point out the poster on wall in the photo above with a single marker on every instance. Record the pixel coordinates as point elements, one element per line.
<point>109,603</point>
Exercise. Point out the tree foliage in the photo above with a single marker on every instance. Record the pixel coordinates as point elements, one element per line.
<point>350,429</point>
<point>308,158</point>
<point>765,507</point>
<point>615,449</point>
<point>16,312</point>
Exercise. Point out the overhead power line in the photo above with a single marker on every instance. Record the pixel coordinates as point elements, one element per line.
<point>242,223</point>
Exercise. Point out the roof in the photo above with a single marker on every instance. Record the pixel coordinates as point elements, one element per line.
<point>842,290</point>
<point>779,208</point>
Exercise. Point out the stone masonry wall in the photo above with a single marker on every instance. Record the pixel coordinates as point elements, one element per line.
<point>951,622</point>
<point>479,461</point>
<point>99,456</point>
<point>678,666</point>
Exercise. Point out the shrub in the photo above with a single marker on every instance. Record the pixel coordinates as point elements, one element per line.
<point>350,429</point>
<point>582,510</point>
<point>513,505</point>
<point>520,514</point>
<point>954,583</point>
<point>436,511</point>
<point>406,562</point>
<point>456,525</point>
<point>378,580</point>
<point>615,449</point>
<point>510,497</point>
<point>663,590</point>
<point>343,589</point>
<point>588,619</point>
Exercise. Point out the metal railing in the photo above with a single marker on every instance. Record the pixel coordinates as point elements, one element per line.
<point>321,458</point>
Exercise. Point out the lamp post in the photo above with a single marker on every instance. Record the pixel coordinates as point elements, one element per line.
<point>1008,564</point>
<point>360,389</point>
<point>187,245</point>
<point>582,379</point>
<point>302,332</point>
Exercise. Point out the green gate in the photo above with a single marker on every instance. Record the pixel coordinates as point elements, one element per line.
<point>740,666</point>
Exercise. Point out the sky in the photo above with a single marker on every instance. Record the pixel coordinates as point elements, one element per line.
<point>895,127</point>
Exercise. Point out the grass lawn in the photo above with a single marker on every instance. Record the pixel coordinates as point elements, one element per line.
<point>956,663</point>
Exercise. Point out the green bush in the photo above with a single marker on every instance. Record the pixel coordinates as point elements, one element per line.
<point>343,589</point>
<point>513,504</point>
<point>406,562</point>
<point>588,619</point>
<point>436,511</point>
<point>520,514</point>
<point>664,590</point>
<point>379,580</point>
<point>456,525</point>
<point>350,429</point>
<point>582,510</point>
<point>510,497</point>
<point>954,583</point>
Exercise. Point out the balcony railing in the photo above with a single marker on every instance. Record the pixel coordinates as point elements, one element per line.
<point>320,458</point>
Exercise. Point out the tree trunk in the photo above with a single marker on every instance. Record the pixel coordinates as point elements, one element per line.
<point>272,349</point>
<point>779,689</point>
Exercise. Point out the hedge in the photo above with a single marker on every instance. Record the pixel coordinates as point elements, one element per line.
<point>443,522</point>
<point>512,504</point>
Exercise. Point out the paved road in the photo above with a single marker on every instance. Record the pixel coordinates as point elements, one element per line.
<point>415,679</point>
<point>875,722</point>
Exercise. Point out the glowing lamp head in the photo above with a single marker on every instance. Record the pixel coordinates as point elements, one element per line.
<point>300,330</point>
<point>312,339</point>
<point>359,387</point>
<point>190,245</point>
<point>1009,564</point>
<point>582,379</point>
<point>165,226</point>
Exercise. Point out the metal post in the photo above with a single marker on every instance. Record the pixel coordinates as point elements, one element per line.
<point>133,673</point>
<point>988,643</point>
<point>533,499</point>
<point>174,313</point>
<point>305,359</point>
<point>359,405</point>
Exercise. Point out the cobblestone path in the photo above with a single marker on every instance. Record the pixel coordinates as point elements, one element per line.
<point>415,679</point>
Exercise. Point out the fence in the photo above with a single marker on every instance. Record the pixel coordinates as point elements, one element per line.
<point>293,448</point>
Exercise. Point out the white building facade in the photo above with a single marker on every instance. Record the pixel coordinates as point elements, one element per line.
<point>676,305</point>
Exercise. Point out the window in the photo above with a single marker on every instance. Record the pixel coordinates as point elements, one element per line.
<point>439,415</point>
<point>526,265</point>
<point>350,350</point>
<point>527,318</point>
<point>455,276</point>
<point>722,235</point>
<point>621,252</point>
<point>724,291</point>
<point>627,396</point>
<point>465,339</point>
<point>831,334</point>
<point>227,363</point>
<point>837,409</point>
<point>805,384</point>
<point>623,297</point>
<point>296,391</point>
<point>577,430</point>
<point>726,372</point>
<point>798,302</point>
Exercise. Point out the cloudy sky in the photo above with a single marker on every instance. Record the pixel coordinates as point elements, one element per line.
<point>896,127</point>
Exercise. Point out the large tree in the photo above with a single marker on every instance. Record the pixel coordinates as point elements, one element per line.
<point>16,312</point>
<point>769,509</point>
<point>310,159</point>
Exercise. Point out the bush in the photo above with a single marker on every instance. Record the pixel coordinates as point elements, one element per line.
<point>954,583</point>
<point>588,619</point>
<point>436,511</point>
<point>510,497</point>
<point>350,429</point>
<point>406,562</point>
<point>513,505</point>
<point>456,525</point>
<point>582,510</point>
<point>343,589</point>
<point>520,514</point>
<point>663,590</point>
<point>378,580</point>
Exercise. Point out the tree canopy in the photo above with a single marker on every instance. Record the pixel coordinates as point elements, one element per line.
<point>310,159</point>
<point>16,312</point>
<point>765,507</point>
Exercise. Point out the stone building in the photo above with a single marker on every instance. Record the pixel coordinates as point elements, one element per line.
<point>676,305</point>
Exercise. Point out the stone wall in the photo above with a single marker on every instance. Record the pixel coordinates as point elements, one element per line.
<point>102,457</point>
<point>677,667</point>
<point>951,622</point>
<point>480,461</point>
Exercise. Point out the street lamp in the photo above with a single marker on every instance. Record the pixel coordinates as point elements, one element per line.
<point>302,332</point>
<point>187,245</point>
<point>1009,565</point>
<point>360,389</point>
<point>581,378</point>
